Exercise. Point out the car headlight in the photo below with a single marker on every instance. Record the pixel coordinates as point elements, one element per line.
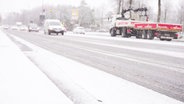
<point>50,28</point>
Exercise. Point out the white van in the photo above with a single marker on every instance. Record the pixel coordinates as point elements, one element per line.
<point>53,26</point>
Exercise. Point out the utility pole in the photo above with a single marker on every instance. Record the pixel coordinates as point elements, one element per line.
<point>42,16</point>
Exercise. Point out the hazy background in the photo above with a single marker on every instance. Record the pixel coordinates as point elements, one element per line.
<point>87,13</point>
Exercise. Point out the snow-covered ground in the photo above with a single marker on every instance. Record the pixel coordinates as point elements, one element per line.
<point>83,84</point>
<point>21,82</point>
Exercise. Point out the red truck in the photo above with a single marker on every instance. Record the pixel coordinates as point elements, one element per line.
<point>143,29</point>
<point>163,31</point>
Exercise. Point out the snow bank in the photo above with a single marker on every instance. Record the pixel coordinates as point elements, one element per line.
<point>53,70</point>
<point>21,82</point>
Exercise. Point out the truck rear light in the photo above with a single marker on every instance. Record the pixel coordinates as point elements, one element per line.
<point>128,30</point>
<point>156,33</point>
<point>177,35</point>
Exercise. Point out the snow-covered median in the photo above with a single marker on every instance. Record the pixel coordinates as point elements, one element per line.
<point>21,82</point>
<point>86,85</point>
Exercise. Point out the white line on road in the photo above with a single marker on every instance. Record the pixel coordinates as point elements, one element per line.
<point>132,59</point>
<point>129,40</point>
<point>157,51</point>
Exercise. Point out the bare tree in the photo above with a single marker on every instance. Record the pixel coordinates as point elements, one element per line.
<point>130,6</point>
<point>181,12</point>
<point>167,11</point>
<point>0,19</point>
<point>120,4</point>
<point>130,3</point>
<point>159,11</point>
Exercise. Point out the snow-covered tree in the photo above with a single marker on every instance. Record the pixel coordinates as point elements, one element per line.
<point>86,14</point>
<point>181,12</point>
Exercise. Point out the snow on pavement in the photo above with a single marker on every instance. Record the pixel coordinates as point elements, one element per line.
<point>21,82</point>
<point>104,87</point>
<point>99,36</point>
<point>161,52</point>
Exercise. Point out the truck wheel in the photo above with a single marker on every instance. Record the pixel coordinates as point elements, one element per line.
<point>144,34</point>
<point>150,35</point>
<point>124,32</point>
<point>113,32</point>
<point>138,35</point>
<point>161,39</point>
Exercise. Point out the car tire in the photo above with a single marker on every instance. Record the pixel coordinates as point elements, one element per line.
<point>62,33</point>
<point>49,32</point>
<point>113,32</point>
<point>168,39</point>
<point>162,39</point>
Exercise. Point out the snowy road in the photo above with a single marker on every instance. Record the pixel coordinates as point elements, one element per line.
<point>153,64</point>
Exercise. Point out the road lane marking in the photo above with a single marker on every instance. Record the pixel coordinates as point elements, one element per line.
<point>124,56</point>
<point>130,40</point>
<point>160,52</point>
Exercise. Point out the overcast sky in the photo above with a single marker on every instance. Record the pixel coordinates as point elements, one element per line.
<point>18,5</point>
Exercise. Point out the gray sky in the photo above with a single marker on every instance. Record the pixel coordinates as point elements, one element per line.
<point>18,5</point>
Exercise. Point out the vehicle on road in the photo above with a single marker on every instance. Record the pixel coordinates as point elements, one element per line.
<point>23,28</point>
<point>53,26</point>
<point>14,28</point>
<point>5,27</point>
<point>32,27</point>
<point>79,30</point>
<point>128,26</point>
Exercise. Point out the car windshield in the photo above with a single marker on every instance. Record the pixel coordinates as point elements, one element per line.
<point>80,27</point>
<point>33,25</point>
<point>53,23</point>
